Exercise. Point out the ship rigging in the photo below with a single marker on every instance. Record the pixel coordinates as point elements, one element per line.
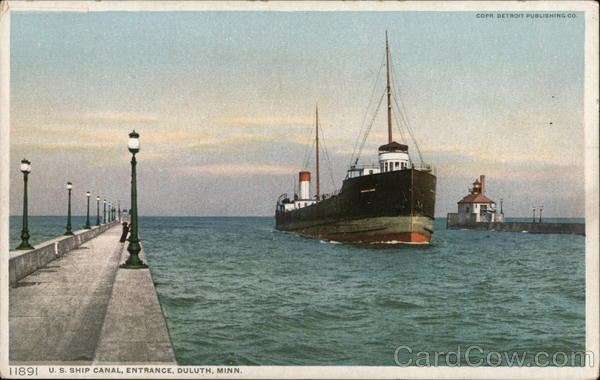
<point>400,118</point>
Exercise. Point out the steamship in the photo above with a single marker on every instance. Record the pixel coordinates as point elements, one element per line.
<point>392,202</point>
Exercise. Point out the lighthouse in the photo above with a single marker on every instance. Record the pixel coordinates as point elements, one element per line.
<point>477,207</point>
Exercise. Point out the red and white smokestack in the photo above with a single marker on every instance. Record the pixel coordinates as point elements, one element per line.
<point>482,180</point>
<point>304,185</point>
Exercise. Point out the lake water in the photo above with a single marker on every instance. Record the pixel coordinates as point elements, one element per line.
<point>237,292</point>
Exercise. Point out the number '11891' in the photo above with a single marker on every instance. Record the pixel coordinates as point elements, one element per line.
<point>23,371</point>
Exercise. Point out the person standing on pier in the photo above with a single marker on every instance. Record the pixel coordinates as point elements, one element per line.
<point>125,232</point>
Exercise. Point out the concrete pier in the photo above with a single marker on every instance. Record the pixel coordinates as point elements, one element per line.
<point>81,308</point>
<point>454,222</point>
<point>23,263</point>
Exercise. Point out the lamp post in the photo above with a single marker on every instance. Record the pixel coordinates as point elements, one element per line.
<point>98,210</point>
<point>134,262</point>
<point>25,169</point>
<point>69,188</point>
<point>119,211</point>
<point>87,219</point>
<point>541,207</point>
<point>104,217</point>
<point>533,214</point>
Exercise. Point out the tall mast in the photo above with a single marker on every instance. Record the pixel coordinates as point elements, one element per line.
<point>389,91</point>
<point>317,144</point>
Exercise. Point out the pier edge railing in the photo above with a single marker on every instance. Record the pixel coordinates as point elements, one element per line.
<point>23,263</point>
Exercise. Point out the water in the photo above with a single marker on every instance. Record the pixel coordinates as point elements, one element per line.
<point>43,228</point>
<point>237,292</point>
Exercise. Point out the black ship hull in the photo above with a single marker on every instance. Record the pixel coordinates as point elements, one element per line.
<point>396,206</point>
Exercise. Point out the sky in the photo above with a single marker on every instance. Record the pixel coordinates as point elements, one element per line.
<point>224,103</point>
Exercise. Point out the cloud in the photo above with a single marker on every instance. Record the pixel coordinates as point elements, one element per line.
<point>266,139</point>
<point>113,117</point>
<point>216,141</point>
<point>509,171</point>
<point>464,153</point>
<point>264,120</point>
<point>446,148</point>
<point>343,151</point>
<point>73,147</point>
<point>182,137</point>
<point>229,170</point>
<point>519,158</point>
<point>74,137</point>
<point>99,131</point>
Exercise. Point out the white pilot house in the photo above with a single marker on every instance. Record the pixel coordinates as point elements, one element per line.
<point>392,156</point>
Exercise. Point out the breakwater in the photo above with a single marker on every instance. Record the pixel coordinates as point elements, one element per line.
<point>453,222</point>
<point>23,263</point>
<point>81,308</point>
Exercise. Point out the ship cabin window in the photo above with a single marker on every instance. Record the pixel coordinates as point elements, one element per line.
<point>386,166</point>
<point>371,171</point>
<point>467,208</point>
<point>397,165</point>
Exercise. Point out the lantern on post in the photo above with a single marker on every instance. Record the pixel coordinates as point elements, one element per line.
<point>25,169</point>
<point>134,248</point>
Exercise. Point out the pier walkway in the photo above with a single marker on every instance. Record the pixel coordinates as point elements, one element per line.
<point>81,308</point>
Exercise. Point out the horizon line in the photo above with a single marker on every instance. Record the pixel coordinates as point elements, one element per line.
<point>272,216</point>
